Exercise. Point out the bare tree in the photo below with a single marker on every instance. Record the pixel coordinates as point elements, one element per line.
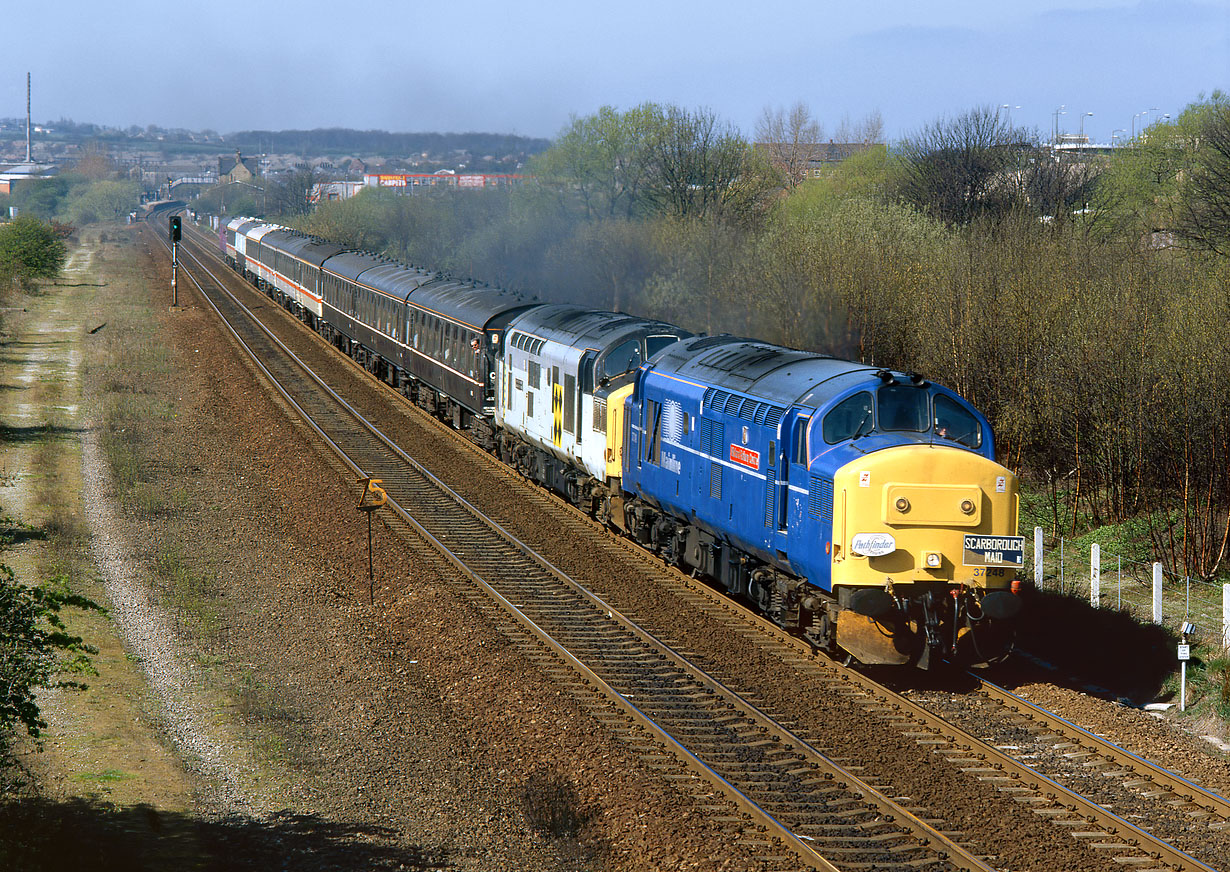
<point>291,194</point>
<point>868,131</point>
<point>962,168</point>
<point>789,139</point>
<point>696,163</point>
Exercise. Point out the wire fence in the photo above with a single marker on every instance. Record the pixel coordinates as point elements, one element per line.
<point>1144,590</point>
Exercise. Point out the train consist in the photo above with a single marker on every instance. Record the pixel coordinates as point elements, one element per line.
<point>857,507</point>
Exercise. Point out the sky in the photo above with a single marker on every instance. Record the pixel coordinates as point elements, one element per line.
<point>527,67</point>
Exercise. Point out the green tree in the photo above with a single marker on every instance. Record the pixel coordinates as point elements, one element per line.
<point>1204,194</point>
<point>600,162</point>
<point>1161,182</point>
<point>41,198</point>
<point>104,200</point>
<point>30,250</point>
<point>35,648</point>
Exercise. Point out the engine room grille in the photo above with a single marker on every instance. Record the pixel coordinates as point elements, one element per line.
<point>599,415</point>
<point>820,499</point>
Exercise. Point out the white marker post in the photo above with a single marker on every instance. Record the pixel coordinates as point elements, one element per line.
<point>1037,558</point>
<point>1185,653</point>
<point>1157,593</point>
<point>1095,574</point>
<point>1225,617</point>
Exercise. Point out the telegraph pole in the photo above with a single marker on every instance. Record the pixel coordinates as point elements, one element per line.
<point>28,157</point>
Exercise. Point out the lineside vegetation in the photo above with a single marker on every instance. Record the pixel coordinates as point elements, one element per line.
<point>1078,299</point>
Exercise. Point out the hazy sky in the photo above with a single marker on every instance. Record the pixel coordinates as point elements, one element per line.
<point>526,67</point>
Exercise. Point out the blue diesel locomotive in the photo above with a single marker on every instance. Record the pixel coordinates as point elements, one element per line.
<point>852,505</point>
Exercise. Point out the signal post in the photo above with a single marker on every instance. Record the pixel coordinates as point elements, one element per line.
<point>174,230</point>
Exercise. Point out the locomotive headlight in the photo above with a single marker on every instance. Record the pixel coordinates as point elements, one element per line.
<point>934,559</point>
<point>967,506</point>
<point>902,504</point>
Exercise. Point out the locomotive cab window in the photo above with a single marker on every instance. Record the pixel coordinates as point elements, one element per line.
<point>623,358</point>
<point>849,418</point>
<point>654,344</point>
<point>955,423</point>
<point>903,408</point>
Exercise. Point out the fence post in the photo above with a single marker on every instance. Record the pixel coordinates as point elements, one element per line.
<point>1037,558</point>
<point>1095,574</point>
<point>1157,593</point>
<point>1061,564</point>
<point>1225,617</point>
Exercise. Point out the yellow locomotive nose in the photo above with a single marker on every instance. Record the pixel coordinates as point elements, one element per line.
<point>904,522</point>
<point>927,499</point>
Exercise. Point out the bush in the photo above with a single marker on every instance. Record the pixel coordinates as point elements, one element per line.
<point>35,648</point>
<point>30,250</point>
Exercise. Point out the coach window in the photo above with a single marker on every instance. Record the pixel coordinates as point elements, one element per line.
<point>903,407</point>
<point>849,418</point>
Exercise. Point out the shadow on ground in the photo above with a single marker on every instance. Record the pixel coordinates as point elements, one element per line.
<point>35,432</point>
<point>39,835</point>
<point>1100,648</point>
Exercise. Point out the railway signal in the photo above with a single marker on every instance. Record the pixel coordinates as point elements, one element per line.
<point>174,230</point>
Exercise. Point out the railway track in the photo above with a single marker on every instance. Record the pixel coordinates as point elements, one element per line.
<point>1171,807</point>
<point>805,807</point>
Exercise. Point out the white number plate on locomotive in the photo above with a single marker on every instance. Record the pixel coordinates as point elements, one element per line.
<point>994,550</point>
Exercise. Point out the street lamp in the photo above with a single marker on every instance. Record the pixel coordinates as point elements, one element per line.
<point>1055,124</point>
<point>1141,114</point>
<point>1115,135</point>
<point>1083,141</point>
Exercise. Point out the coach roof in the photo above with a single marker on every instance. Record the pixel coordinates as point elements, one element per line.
<point>395,278</point>
<point>578,326</point>
<point>467,302</point>
<point>350,264</point>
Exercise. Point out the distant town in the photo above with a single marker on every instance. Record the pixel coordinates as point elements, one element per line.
<point>160,157</point>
